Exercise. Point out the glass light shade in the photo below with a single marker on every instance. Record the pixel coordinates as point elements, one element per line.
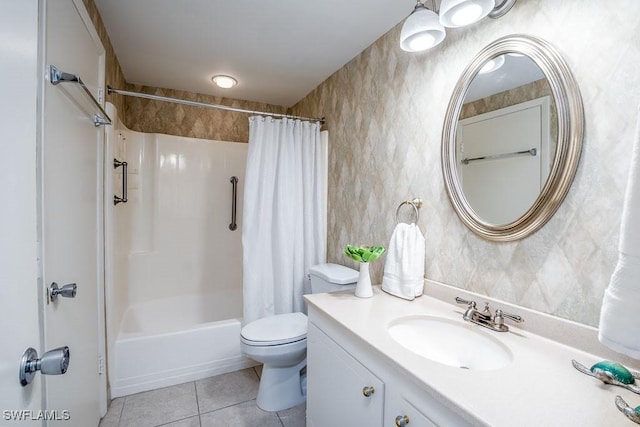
<point>492,65</point>
<point>458,13</point>
<point>224,82</point>
<point>421,30</point>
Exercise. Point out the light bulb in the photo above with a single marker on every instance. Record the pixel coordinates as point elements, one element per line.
<point>421,42</point>
<point>458,13</point>
<point>224,82</point>
<point>466,15</point>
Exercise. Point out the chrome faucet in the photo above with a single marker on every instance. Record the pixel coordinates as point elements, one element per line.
<point>484,317</point>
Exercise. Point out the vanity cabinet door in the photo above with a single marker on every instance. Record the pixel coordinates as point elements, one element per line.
<point>340,390</point>
<point>398,411</point>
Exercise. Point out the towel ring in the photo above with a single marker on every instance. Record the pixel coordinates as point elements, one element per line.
<point>415,204</point>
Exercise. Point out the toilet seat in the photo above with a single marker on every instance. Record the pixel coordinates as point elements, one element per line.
<point>275,330</point>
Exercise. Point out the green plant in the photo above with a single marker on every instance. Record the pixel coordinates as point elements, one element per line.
<point>363,253</point>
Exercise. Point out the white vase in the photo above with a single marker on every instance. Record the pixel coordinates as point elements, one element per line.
<point>363,287</point>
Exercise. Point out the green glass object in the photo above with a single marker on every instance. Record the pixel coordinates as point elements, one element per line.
<point>363,253</point>
<point>619,372</point>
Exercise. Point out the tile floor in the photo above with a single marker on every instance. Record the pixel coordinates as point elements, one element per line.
<point>223,400</point>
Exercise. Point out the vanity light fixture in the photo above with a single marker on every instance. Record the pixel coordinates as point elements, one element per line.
<point>424,28</point>
<point>458,13</point>
<point>224,82</point>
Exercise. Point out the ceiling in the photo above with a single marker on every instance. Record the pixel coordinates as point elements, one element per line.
<point>278,50</point>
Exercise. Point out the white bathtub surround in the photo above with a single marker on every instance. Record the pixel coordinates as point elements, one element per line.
<point>619,316</point>
<point>404,266</point>
<point>538,387</point>
<point>173,285</point>
<point>284,228</point>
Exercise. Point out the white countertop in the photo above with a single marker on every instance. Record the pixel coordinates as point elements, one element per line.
<point>538,388</point>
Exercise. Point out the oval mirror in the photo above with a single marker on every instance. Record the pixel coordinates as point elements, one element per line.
<point>512,138</point>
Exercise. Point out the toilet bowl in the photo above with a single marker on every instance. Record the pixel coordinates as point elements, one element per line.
<point>280,343</point>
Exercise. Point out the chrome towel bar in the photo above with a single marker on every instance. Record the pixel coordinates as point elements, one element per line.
<point>532,152</point>
<point>87,100</point>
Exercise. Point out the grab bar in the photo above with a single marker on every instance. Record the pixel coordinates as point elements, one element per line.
<point>116,164</point>
<point>532,152</point>
<point>100,117</point>
<point>234,184</point>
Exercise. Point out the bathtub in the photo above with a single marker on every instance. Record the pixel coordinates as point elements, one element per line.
<point>174,340</point>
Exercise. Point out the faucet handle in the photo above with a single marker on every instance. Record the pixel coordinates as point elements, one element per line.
<point>498,319</point>
<point>486,311</point>
<point>464,301</point>
<point>471,310</point>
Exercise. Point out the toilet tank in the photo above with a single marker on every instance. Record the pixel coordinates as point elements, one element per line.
<point>332,278</point>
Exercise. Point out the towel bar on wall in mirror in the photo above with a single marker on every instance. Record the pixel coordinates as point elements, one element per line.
<point>82,95</point>
<point>527,106</point>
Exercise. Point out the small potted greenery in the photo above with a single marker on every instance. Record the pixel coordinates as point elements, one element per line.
<point>364,255</point>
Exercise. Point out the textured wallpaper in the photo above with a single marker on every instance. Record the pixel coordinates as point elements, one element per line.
<point>145,115</point>
<point>385,111</point>
<point>113,74</point>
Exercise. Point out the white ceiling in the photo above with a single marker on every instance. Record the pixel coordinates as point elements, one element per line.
<point>278,50</point>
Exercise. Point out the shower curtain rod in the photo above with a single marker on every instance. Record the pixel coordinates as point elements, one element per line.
<point>111,90</point>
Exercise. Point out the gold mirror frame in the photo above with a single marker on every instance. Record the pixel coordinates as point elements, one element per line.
<point>568,148</point>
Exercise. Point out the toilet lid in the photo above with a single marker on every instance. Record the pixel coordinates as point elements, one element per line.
<point>277,329</point>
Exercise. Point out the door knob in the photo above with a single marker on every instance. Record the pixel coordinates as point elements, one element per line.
<point>67,291</point>
<point>53,362</point>
<point>402,420</point>
<point>368,391</point>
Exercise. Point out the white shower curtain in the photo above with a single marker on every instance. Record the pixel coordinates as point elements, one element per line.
<point>284,216</point>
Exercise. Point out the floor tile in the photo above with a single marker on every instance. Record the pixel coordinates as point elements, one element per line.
<point>258,370</point>
<point>112,417</point>
<point>162,406</point>
<point>294,417</point>
<point>245,414</point>
<point>188,422</point>
<point>227,389</point>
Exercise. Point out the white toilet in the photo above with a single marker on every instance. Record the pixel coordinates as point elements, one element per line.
<point>280,343</point>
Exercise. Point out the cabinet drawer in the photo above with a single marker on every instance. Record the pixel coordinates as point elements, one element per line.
<point>398,406</point>
<point>340,390</point>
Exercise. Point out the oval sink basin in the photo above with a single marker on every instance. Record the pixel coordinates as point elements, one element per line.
<point>450,342</point>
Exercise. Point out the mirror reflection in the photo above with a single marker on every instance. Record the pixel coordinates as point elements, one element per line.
<point>506,138</point>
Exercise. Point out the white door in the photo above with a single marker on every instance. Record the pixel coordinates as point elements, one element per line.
<point>50,220</point>
<point>71,210</point>
<point>500,184</point>
<point>18,263</point>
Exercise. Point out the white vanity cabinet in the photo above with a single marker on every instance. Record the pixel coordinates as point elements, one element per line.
<point>341,369</point>
<point>341,391</point>
<point>398,411</point>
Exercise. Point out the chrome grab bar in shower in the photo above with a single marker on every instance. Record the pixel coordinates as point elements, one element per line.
<point>234,184</point>
<point>116,164</point>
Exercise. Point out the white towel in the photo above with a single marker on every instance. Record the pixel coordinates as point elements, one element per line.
<point>404,266</point>
<point>620,313</point>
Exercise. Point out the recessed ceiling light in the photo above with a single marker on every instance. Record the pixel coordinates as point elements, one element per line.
<point>224,82</point>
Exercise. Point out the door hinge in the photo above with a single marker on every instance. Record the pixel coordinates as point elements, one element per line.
<point>100,96</point>
<point>100,365</point>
